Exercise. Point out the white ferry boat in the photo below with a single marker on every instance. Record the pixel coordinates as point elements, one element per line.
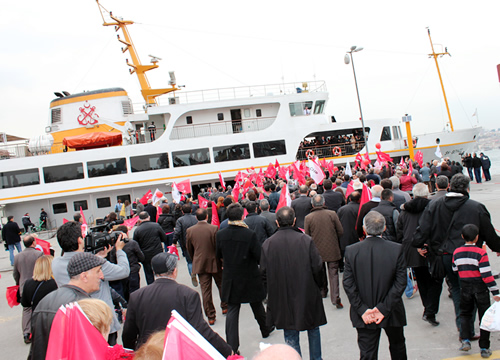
<point>184,135</point>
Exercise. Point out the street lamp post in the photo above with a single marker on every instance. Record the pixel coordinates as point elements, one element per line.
<point>347,59</point>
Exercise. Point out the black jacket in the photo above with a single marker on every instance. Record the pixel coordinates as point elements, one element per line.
<point>151,210</point>
<point>150,307</point>
<point>167,222</point>
<point>134,255</point>
<point>387,208</point>
<point>302,207</point>
<point>260,225</point>
<point>333,200</point>
<point>150,236</point>
<point>382,286</point>
<point>452,212</point>
<point>10,233</point>
<point>348,215</point>
<point>407,224</point>
<point>181,226</point>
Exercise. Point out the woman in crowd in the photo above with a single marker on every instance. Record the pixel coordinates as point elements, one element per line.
<point>167,223</point>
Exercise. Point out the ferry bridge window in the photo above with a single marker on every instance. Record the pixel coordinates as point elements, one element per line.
<point>258,113</point>
<point>189,120</point>
<point>231,152</point>
<point>299,108</point>
<point>269,148</point>
<point>123,198</point>
<point>386,134</point>
<point>319,106</point>
<point>59,208</point>
<point>149,162</point>
<point>10,179</point>
<point>220,116</point>
<point>81,203</point>
<point>395,132</point>
<point>191,157</point>
<point>103,202</point>
<point>106,167</point>
<point>63,172</point>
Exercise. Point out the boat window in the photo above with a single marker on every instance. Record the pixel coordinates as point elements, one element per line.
<point>123,198</point>
<point>269,148</point>
<point>220,116</point>
<point>10,179</point>
<point>56,115</point>
<point>191,157</point>
<point>300,108</point>
<point>189,120</point>
<point>103,202</point>
<point>395,132</point>
<point>59,208</point>
<point>246,112</point>
<point>107,167</point>
<point>149,162</point>
<point>231,152</point>
<point>258,112</point>
<point>386,133</point>
<point>319,107</point>
<point>80,204</point>
<point>63,172</point>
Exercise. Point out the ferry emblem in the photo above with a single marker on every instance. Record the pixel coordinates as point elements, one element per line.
<point>87,116</point>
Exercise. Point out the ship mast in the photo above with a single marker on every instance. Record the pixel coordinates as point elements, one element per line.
<point>148,94</point>
<point>435,56</point>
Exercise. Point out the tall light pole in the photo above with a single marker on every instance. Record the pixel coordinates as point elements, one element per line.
<point>347,59</point>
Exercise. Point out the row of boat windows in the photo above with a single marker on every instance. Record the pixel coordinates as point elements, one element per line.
<point>306,108</point>
<point>104,202</point>
<point>66,172</point>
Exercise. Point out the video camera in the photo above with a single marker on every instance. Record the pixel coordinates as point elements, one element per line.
<point>99,237</point>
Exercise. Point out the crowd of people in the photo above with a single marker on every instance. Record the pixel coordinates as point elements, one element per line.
<point>258,250</point>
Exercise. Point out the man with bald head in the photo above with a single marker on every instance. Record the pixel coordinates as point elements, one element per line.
<point>366,207</point>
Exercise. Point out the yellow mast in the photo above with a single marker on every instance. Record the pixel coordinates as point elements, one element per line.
<point>148,94</point>
<point>435,56</point>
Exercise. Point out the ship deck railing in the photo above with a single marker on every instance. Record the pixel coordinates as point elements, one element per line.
<point>199,96</point>
<point>326,151</point>
<point>221,128</point>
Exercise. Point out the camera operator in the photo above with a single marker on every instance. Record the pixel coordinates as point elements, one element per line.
<point>69,237</point>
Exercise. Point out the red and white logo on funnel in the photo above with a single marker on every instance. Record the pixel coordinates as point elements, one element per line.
<point>87,116</point>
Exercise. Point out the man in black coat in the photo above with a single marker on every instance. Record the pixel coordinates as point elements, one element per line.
<point>151,210</point>
<point>366,207</point>
<point>375,295</point>
<point>388,210</point>
<point>348,215</point>
<point>11,235</point>
<point>239,250</point>
<point>291,264</point>
<point>301,206</point>
<point>477,164</point>
<point>333,199</point>
<point>440,227</point>
<point>150,307</point>
<point>485,164</point>
<point>257,223</point>
<point>150,237</point>
<point>183,223</point>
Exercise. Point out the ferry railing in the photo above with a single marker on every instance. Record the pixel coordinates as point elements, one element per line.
<point>324,151</point>
<point>221,128</point>
<point>198,96</point>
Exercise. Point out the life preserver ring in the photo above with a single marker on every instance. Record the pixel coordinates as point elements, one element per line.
<point>309,153</point>
<point>336,151</point>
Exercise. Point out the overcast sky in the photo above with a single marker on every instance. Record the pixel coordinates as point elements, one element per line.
<point>60,45</point>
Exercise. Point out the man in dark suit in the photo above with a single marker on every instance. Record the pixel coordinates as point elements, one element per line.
<point>302,206</point>
<point>375,295</point>
<point>333,200</point>
<point>259,224</point>
<point>348,215</point>
<point>239,249</point>
<point>150,307</point>
<point>200,244</point>
<point>366,207</point>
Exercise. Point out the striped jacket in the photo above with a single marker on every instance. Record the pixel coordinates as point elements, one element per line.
<point>472,264</point>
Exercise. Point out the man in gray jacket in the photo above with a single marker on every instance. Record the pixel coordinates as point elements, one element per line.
<point>69,237</point>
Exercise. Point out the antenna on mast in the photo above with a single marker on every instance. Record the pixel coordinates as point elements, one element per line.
<point>435,56</point>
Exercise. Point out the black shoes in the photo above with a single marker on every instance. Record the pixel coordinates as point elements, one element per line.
<point>271,329</point>
<point>27,338</point>
<point>431,321</point>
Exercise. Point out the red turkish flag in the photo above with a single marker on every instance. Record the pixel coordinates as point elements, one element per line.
<point>184,186</point>
<point>215,216</point>
<point>419,158</point>
<point>221,179</point>
<point>285,199</point>
<point>43,246</point>
<point>277,164</point>
<point>270,172</point>
<point>130,223</point>
<point>202,202</point>
<point>298,175</point>
<point>383,157</point>
<point>146,197</point>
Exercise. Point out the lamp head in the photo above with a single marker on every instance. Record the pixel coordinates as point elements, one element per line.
<point>353,47</point>
<point>358,49</point>
<point>347,60</point>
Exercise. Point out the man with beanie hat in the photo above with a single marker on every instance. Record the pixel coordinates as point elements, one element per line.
<point>150,307</point>
<point>84,270</point>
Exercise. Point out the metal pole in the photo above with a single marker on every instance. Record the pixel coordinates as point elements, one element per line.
<point>359,103</point>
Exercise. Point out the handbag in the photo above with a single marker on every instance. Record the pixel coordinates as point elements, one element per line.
<point>491,318</point>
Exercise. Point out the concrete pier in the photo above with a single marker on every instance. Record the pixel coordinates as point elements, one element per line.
<point>338,337</point>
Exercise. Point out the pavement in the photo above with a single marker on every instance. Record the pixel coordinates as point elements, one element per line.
<point>338,337</point>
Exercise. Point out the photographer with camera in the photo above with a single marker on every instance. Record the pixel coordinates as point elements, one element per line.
<point>69,237</point>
